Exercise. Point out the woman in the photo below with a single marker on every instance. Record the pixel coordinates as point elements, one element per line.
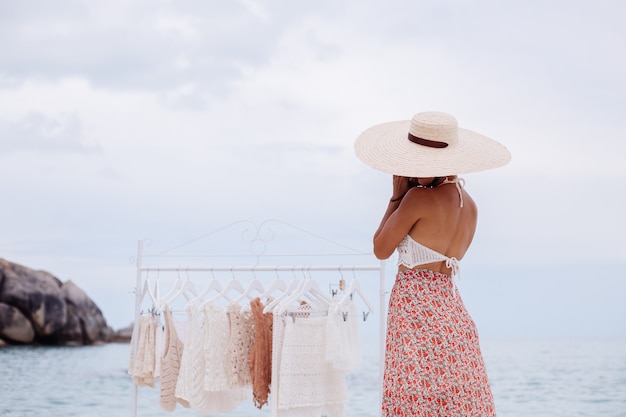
<point>433,363</point>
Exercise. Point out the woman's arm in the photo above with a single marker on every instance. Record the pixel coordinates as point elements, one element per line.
<point>400,187</point>
<point>397,220</point>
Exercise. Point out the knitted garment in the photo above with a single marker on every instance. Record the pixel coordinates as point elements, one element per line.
<point>219,368</point>
<point>193,368</point>
<point>203,375</point>
<point>187,373</point>
<point>260,358</point>
<point>200,400</point>
<point>240,344</point>
<point>433,363</point>
<point>278,334</point>
<point>143,353</point>
<point>170,365</point>
<point>308,385</point>
<point>343,345</point>
<point>159,337</point>
<point>412,253</point>
<point>139,342</point>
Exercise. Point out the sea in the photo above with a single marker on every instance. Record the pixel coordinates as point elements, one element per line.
<point>529,377</point>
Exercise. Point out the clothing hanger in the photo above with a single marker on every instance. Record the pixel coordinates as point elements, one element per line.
<point>214,285</point>
<point>292,287</point>
<point>187,289</point>
<point>277,284</point>
<point>255,285</point>
<point>342,281</point>
<point>315,290</point>
<point>341,286</point>
<point>147,290</point>
<point>308,289</point>
<point>156,288</point>
<point>234,284</point>
<point>177,285</point>
<point>355,287</point>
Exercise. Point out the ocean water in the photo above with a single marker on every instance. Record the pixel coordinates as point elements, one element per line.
<point>556,378</point>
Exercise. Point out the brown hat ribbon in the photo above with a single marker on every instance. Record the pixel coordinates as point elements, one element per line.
<point>427,142</point>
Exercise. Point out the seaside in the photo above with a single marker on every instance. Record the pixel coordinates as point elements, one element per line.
<point>538,377</point>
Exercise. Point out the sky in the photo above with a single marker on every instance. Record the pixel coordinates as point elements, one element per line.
<point>167,120</point>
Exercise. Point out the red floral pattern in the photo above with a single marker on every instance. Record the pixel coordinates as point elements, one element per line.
<point>433,363</point>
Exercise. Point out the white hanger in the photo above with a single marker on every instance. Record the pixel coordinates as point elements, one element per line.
<point>214,285</point>
<point>292,288</point>
<point>355,288</point>
<point>277,284</point>
<point>186,288</point>
<point>234,284</point>
<point>177,285</point>
<point>147,290</point>
<point>308,288</point>
<point>255,285</point>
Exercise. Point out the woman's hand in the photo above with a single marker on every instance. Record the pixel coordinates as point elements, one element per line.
<point>393,226</point>
<point>400,187</point>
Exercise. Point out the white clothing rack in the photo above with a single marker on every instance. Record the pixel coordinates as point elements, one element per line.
<point>258,254</point>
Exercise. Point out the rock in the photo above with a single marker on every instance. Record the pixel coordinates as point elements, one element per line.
<point>37,294</point>
<point>37,308</point>
<point>14,325</point>
<point>93,326</point>
<point>123,335</point>
<point>72,332</point>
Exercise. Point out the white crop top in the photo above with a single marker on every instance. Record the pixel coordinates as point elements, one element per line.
<point>412,254</point>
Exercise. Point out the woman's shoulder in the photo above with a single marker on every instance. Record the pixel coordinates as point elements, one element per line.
<point>423,197</point>
<point>422,201</point>
<point>416,202</point>
<point>419,193</point>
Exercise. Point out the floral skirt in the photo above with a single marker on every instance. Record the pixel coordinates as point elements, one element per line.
<point>433,363</point>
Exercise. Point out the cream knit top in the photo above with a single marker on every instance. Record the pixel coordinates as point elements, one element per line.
<point>170,365</point>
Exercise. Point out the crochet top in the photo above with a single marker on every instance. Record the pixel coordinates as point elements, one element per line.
<point>312,386</point>
<point>145,353</point>
<point>412,253</point>
<point>343,346</point>
<point>191,372</point>
<point>205,371</point>
<point>170,365</point>
<point>240,343</point>
<point>260,357</point>
<point>218,372</point>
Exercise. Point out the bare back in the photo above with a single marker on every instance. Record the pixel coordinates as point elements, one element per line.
<point>443,225</point>
<point>434,218</point>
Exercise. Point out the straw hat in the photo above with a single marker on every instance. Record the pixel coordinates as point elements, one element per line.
<point>430,145</point>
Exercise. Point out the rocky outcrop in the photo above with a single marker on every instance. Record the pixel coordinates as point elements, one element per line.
<point>37,308</point>
<point>122,335</point>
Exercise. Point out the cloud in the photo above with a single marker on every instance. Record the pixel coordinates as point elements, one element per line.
<point>35,132</point>
<point>140,45</point>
